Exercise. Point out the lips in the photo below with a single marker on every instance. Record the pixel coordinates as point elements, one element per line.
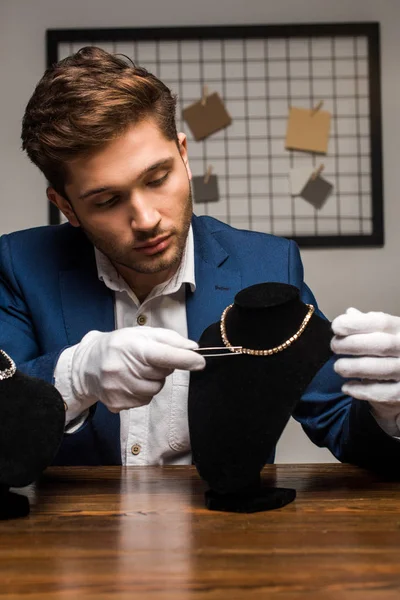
<point>154,246</point>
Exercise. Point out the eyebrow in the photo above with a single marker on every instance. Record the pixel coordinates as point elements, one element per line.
<point>153,167</point>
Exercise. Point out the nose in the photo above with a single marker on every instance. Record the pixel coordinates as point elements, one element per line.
<point>144,216</point>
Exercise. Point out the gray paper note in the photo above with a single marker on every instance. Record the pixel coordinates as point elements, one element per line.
<point>317,191</point>
<point>205,192</point>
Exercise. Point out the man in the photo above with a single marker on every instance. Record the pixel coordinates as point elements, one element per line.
<point>107,305</point>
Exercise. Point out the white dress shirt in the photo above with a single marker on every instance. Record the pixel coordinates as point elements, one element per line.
<point>158,433</point>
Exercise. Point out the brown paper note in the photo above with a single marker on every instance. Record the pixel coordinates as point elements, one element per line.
<point>308,130</point>
<point>206,116</point>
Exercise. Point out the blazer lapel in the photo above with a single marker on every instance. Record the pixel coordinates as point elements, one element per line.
<point>87,304</point>
<point>216,282</point>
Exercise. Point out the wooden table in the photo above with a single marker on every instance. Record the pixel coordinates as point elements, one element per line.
<point>143,532</point>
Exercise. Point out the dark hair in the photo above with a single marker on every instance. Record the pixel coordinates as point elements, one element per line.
<point>85,101</point>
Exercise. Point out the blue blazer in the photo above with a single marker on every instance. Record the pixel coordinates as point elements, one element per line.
<point>50,297</point>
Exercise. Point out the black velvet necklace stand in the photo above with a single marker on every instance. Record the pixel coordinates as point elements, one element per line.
<point>239,405</point>
<point>32,420</point>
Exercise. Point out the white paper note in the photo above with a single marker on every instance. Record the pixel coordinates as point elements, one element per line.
<point>298,179</point>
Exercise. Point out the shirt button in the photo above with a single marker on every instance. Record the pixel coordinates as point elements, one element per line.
<point>135,449</point>
<point>141,320</point>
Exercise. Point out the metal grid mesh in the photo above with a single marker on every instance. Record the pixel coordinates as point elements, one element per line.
<point>259,79</point>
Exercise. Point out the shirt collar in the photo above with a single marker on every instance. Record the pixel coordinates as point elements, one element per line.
<point>108,274</point>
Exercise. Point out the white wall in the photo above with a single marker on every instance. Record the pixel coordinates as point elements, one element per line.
<point>365,278</point>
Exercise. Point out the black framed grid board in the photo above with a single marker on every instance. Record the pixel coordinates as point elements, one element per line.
<point>265,75</point>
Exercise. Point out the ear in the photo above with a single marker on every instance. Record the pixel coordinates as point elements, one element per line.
<point>63,205</point>
<point>182,139</point>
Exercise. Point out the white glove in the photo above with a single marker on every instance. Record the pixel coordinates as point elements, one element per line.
<point>374,338</point>
<point>126,368</point>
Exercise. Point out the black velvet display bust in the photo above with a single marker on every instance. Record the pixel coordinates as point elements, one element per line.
<point>239,405</point>
<point>32,419</point>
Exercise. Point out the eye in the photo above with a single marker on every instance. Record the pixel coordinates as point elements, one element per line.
<point>158,182</point>
<point>109,202</point>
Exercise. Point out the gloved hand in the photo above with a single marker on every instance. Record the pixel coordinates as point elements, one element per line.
<point>127,367</point>
<point>374,339</point>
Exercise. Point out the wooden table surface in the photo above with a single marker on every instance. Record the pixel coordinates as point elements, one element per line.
<point>144,532</point>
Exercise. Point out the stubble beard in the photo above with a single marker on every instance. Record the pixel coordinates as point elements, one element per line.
<point>152,264</point>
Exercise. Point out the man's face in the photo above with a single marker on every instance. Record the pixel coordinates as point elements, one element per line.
<point>132,198</point>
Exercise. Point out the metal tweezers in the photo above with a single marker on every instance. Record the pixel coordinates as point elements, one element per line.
<point>218,351</point>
